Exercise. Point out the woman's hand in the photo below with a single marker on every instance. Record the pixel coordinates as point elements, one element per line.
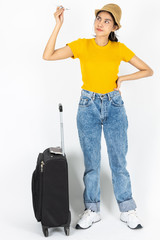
<point>59,15</point>
<point>118,81</point>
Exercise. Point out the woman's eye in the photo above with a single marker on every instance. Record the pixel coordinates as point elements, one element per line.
<point>105,21</point>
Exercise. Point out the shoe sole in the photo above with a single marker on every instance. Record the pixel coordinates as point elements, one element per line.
<point>139,226</point>
<point>79,227</point>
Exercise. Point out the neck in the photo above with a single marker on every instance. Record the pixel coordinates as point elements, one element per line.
<point>101,40</point>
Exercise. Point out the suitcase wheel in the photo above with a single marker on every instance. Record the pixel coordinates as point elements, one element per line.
<point>66,229</point>
<point>45,231</point>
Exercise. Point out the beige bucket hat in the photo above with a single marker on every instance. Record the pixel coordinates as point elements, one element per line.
<point>114,9</point>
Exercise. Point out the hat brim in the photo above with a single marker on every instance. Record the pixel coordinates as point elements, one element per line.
<point>97,10</point>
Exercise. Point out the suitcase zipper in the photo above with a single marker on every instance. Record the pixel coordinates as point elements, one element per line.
<point>42,164</point>
<point>41,204</point>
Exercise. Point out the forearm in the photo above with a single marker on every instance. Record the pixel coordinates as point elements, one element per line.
<point>50,47</point>
<point>136,75</point>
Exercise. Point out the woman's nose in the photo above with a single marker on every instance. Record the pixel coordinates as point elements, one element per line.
<point>100,23</point>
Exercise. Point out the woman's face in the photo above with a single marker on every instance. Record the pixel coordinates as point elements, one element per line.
<point>105,23</point>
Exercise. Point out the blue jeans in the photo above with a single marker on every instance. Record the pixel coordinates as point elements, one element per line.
<point>107,110</point>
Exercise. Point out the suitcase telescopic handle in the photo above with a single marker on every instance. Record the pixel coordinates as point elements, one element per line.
<point>61,128</point>
<point>60,107</point>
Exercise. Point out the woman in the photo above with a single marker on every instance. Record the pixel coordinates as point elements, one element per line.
<point>100,105</point>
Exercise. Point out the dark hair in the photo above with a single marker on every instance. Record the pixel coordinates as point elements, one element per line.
<point>112,35</point>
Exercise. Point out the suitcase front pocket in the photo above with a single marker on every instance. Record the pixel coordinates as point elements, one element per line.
<point>37,192</point>
<point>35,197</point>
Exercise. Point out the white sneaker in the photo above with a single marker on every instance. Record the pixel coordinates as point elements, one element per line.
<point>131,219</point>
<point>87,219</point>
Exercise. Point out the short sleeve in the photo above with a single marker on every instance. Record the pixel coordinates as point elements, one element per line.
<point>76,47</point>
<point>126,53</point>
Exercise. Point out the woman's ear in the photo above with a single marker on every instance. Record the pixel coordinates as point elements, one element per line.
<point>115,27</point>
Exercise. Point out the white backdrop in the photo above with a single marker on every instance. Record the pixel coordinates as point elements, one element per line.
<point>30,91</point>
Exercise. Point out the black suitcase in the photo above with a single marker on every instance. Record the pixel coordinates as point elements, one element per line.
<point>50,191</point>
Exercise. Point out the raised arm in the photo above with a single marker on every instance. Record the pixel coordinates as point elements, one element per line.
<point>61,53</point>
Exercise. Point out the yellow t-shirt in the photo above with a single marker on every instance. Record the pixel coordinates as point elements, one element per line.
<point>99,64</point>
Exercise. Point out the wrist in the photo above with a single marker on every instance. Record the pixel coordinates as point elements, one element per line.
<point>58,26</point>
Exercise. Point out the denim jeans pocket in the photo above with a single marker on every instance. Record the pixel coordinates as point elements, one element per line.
<point>117,101</point>
<point>85,101</point>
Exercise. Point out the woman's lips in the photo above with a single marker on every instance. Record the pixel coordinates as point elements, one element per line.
<point>99,29</point>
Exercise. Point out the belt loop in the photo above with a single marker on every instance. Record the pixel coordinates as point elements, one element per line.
<point>93,96</point>
<point>109,97</point>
